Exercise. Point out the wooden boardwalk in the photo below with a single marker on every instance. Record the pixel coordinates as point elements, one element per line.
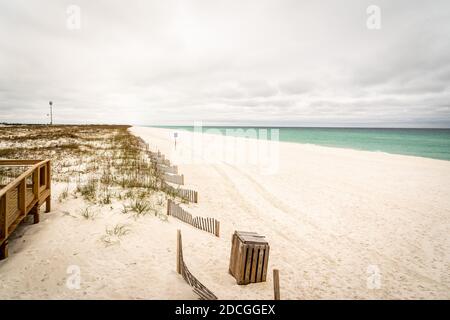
<point>23,196</point>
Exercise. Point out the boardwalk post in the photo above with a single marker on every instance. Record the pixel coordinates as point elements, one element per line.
<point>4,250</point>
<point>36,183</point>
<point>22,195</point>
<point>179,251</point>
<point>3,228</point>
<point>48,204</point>
<point>3,217</point>
<point>276,284</point>
<point>35,213</point>
<point>48,201</point>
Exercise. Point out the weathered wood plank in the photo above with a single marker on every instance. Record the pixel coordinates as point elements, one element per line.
<point>179,251</point>
<point>259,271</point>
<point>248,264</point>
<point>254,263</point>
<point>203,292</point>
<point>276,284</point>
<point>23,197</point>
<point>265,264</point>
<point>3,218</point>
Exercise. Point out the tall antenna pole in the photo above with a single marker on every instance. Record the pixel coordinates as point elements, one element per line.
<point>51,112</point>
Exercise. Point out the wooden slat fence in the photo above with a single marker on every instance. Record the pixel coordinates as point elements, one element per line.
<point>170,174</point>
<point>167,169</point>
<point>203,292</point>
<point>154,154</point>
<point>174,178</point>
<point>190,195</point>
<point>186,194</point>
<point>210,225</point>
<point>165,162</point>
<point>159,158</point>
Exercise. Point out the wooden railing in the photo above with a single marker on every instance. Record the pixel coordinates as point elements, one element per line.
<point>22,196</point>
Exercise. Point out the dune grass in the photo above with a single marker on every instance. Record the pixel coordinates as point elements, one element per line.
<point>104,162</point>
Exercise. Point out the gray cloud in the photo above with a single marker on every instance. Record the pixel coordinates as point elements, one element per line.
<point>270,62</point>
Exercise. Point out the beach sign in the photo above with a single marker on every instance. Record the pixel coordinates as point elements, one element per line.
<point>175,136</point>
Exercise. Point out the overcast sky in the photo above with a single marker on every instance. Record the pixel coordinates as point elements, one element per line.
<point>277,62</point>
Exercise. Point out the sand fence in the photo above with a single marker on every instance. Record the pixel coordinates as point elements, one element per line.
<point>169,174</point>
<point>186,194</point>
<point>167,169</point>
<point>210,225</point>
<point>203,292</point>
<point>173,178</point>
<point>159,158</point>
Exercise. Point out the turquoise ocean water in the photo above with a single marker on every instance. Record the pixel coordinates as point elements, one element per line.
<point>429,143</point>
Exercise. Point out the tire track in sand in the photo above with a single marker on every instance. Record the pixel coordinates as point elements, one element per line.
<point>349,242</point>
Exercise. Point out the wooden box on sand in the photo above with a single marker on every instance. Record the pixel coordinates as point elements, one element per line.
<point>249,257</point>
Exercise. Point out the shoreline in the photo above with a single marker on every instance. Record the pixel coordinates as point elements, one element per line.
<point>174,128</point>
<point>313,145</point>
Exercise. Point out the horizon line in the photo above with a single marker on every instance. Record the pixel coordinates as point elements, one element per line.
<point>220,126</point>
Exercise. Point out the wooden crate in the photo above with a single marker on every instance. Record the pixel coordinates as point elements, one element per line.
<point>249,257</point>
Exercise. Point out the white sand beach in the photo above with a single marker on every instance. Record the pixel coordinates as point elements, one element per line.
<point>331,216</point>
<point>341,224</point>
